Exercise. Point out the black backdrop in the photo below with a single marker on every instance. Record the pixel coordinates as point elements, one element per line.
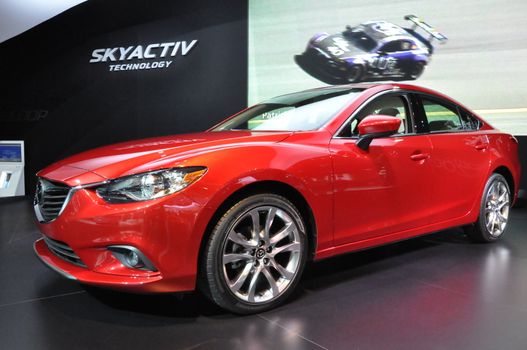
<point>60,104</point>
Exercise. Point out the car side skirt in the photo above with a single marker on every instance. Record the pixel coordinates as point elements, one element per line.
<point>395,237</point>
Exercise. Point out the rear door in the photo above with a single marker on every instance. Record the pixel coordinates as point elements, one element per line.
<point>385,189</point>
<point>459,160</point>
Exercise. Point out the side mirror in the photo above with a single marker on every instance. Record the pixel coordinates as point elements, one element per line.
<point>375,126</point>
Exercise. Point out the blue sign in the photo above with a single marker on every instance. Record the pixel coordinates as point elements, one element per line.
<point>10,153</point>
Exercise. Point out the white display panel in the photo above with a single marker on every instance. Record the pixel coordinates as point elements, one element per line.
<point>12,168</point>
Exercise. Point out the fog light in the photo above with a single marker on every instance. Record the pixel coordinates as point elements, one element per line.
<point>131,257</point>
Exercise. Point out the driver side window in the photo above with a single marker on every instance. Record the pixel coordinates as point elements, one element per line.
<point>393,46</point>
<point>391,105</point>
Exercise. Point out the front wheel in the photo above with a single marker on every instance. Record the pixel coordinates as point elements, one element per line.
<point>255,256</point>
<point>355,74</point>
<point>494,211</point>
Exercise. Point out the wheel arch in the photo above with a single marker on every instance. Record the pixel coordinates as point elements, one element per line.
<point>507,174</point>
<point>265,186</point>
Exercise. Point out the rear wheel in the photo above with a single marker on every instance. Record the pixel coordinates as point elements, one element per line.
<point>255,255</point>
<point>494,211</point>
<point>415,71</point>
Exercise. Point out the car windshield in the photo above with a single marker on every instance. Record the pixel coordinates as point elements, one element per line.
<point>360,39</point>
<point>302,111</point>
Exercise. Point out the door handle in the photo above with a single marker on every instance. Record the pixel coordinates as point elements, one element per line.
<point>419,156</point>
<point>481,146</point>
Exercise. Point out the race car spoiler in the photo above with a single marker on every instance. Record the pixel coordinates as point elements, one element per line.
<point>417,22</point>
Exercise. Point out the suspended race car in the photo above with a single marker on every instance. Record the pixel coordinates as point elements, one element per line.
<point>375,50</point>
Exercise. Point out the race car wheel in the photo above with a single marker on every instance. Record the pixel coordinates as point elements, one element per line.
<point>415,71</point>
<point>494,211</point>
<point>355,74</point>
<point>255,255</point>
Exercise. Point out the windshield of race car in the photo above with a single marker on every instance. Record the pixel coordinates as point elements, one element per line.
<point>302,111</point>
<point>360,39</point>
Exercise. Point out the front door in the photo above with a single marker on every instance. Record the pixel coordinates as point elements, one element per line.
<point>385,189</point>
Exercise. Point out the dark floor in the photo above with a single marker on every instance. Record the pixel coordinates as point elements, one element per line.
<point>435,292</point>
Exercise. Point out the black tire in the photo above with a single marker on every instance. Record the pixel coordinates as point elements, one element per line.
<point>488,211</point>
<point>220,280</point>
<point>415,71</point>
<point>356,74</point>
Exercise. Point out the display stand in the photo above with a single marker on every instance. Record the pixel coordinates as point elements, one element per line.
<point>12,168</point>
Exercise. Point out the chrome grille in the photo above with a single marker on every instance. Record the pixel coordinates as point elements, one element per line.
<point>62,250</point>
<point>50,199</point>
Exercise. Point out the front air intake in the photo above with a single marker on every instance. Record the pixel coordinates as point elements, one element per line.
<point>50,199</point>
<point>62,250</point>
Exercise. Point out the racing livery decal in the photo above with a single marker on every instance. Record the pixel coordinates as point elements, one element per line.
<point>375,50</point>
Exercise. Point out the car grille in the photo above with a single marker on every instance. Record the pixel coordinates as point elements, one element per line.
<point>50,197</point>
<point>62,250</point>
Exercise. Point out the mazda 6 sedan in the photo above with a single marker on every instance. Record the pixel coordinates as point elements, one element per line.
<point>237,211</point>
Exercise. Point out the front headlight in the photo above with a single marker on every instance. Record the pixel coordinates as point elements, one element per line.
<point>150,185</point>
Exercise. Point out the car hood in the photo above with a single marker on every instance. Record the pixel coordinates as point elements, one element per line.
<point>127,158</point>
<point>330,47</point>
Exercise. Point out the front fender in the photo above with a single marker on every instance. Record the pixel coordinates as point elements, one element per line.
<point>305,168</point>
<point>421,58</point>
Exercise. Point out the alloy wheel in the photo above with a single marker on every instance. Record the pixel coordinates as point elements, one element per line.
<point>497,205</point>
<point>261,254</point>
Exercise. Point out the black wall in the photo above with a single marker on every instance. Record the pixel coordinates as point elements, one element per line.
<point>60,104</point>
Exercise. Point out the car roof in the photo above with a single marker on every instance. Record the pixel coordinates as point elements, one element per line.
<point>408,87</point>
<point>381,30</point>
<point>299,96</point>
<point>363,87</point>
<point>296,97</point>
<point>292,98</point>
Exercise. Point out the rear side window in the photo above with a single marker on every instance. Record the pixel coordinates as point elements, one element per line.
<point>397,45</point>
<point>441,117</point>
<point>470,121</point>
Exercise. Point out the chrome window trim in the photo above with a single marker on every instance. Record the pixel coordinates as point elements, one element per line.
<point>415,133</point>
<point>453,104</point>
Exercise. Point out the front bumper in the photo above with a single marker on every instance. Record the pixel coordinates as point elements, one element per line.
<point>167,231</point>
<point>84,275</point>
<point>322,68</point>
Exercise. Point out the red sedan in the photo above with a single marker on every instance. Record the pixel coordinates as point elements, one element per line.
<point>236,211</point>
